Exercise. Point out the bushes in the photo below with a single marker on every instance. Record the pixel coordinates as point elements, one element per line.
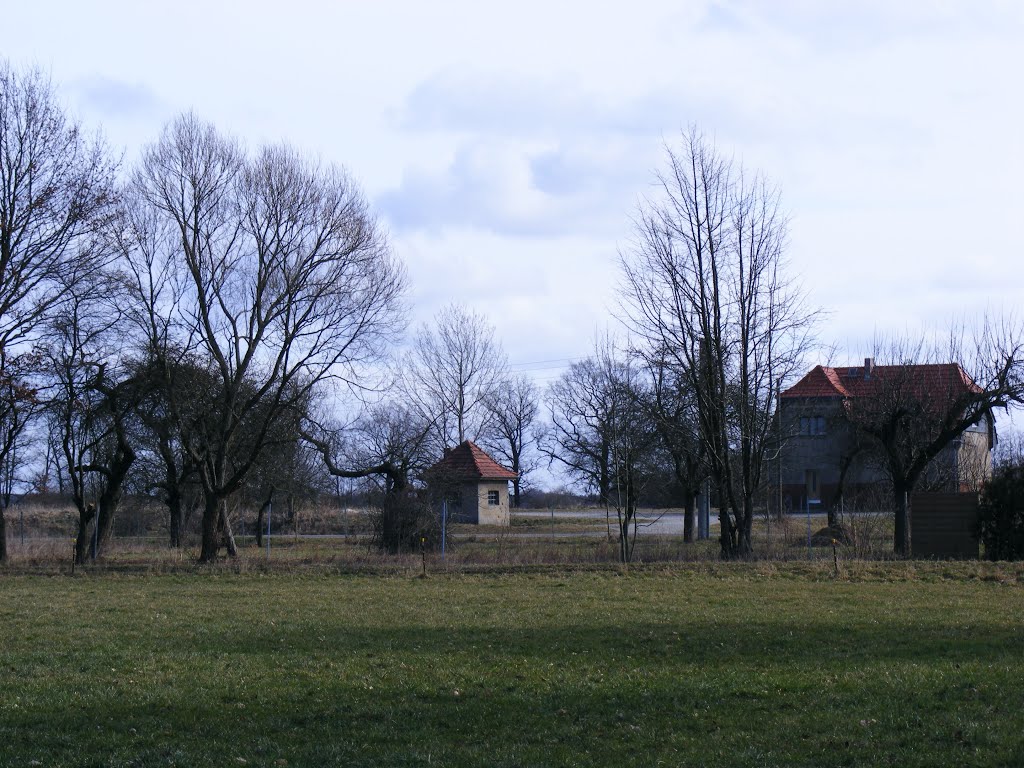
<point>1001,514</point>
<point>401,522</point>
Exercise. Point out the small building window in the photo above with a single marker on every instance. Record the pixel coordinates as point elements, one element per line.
<point>493,498</point>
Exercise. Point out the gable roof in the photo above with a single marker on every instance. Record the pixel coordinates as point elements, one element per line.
<point>468,462</point>
<point>820,382</point>
<point>931,379</point>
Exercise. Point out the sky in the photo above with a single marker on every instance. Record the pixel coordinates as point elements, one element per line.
<point>506,147</point>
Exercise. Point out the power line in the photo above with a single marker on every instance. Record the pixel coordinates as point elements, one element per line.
<point>563,360</point>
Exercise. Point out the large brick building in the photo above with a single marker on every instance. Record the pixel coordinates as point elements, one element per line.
<point>820,455</point>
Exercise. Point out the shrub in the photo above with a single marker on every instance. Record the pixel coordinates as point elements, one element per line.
<point>1001,514</point>
<point>402,522</point>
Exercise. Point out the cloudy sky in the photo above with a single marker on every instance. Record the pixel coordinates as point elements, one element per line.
<point>505,150</point>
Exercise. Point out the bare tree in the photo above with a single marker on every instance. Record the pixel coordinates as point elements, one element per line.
<point>705,286</point>
<point>453,369</point>
<point>20,403</point>
<point>671,407</point>
<point>600,436</point>
<point>272,271</point>
<point>513,407</point>
<point>390,440</point>
<point>90,404</point>
<point>390,444</point>
<point>916,404</point>
<point>55,188</point>
<point>172,471</point>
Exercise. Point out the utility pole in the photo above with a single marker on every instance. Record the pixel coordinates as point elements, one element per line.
<point>778,408</point>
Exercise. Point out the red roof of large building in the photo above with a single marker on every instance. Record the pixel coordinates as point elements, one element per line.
<point>856,381</point>
<point>467,461</point>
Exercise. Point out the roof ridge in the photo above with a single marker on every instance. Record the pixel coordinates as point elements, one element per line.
<point>469,460</point>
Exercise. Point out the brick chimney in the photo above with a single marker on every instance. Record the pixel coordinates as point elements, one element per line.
<point>869,367</point>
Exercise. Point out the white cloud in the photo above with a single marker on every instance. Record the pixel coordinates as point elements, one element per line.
<point>522,189</point>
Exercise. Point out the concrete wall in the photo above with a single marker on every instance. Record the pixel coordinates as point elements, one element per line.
<point>492,514</point>
<point>476,508</point>
<point>821,453</point>
<point>974,461</point>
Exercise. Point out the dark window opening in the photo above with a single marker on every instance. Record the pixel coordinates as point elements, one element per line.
<point>812,425</point>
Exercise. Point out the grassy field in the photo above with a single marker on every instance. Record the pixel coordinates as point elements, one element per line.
<point>718,664</point>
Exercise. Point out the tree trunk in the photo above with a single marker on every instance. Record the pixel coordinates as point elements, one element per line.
<point>745,545</point>
<point>82,540</point>
<point>689,516</point>
<point>626,524</point>
<point>845,462</point>
<point>261,517</point>
<point>105,520</point>
<point>224,528</point>
<point>726,537</point>
<point>210,539</point>
<point>901,537</point>
<point>174,508</point>
<point>736,539</point>
<point>3,535</point>
<point>515,493</point>
<point>110,498</point>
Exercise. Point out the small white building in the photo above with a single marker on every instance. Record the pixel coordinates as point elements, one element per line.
<point>475,485</point>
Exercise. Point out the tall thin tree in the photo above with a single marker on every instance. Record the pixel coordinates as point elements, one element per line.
<point>706,286</point>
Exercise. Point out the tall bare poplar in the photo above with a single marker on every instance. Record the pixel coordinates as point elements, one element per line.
<point>706,288</point>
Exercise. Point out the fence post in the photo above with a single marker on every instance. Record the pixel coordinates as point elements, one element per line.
<point>444,535</point>
<point>270,510</point>
<point>807,504</point>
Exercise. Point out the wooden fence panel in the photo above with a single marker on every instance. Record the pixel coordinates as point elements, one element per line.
<point>942,525</point>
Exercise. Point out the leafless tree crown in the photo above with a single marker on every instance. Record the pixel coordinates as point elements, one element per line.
<point>453,369</point>
<point>266,266</point>
<point>706,290</point>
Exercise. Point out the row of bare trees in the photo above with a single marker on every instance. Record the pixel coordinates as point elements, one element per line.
<point>197,312</point>
<point>57,193</point>
<point>186,327</point>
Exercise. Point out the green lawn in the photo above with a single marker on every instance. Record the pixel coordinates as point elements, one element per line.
<point>721,665</point>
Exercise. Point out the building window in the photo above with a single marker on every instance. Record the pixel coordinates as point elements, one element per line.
<point>493,498</point>
<point>812,425</point>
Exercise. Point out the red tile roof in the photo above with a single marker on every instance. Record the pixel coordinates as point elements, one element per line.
<point>940,378</point>
<point>820,382</point>
<point>467,461</point>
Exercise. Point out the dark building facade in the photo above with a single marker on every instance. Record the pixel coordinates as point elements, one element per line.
<point>823,464</point>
